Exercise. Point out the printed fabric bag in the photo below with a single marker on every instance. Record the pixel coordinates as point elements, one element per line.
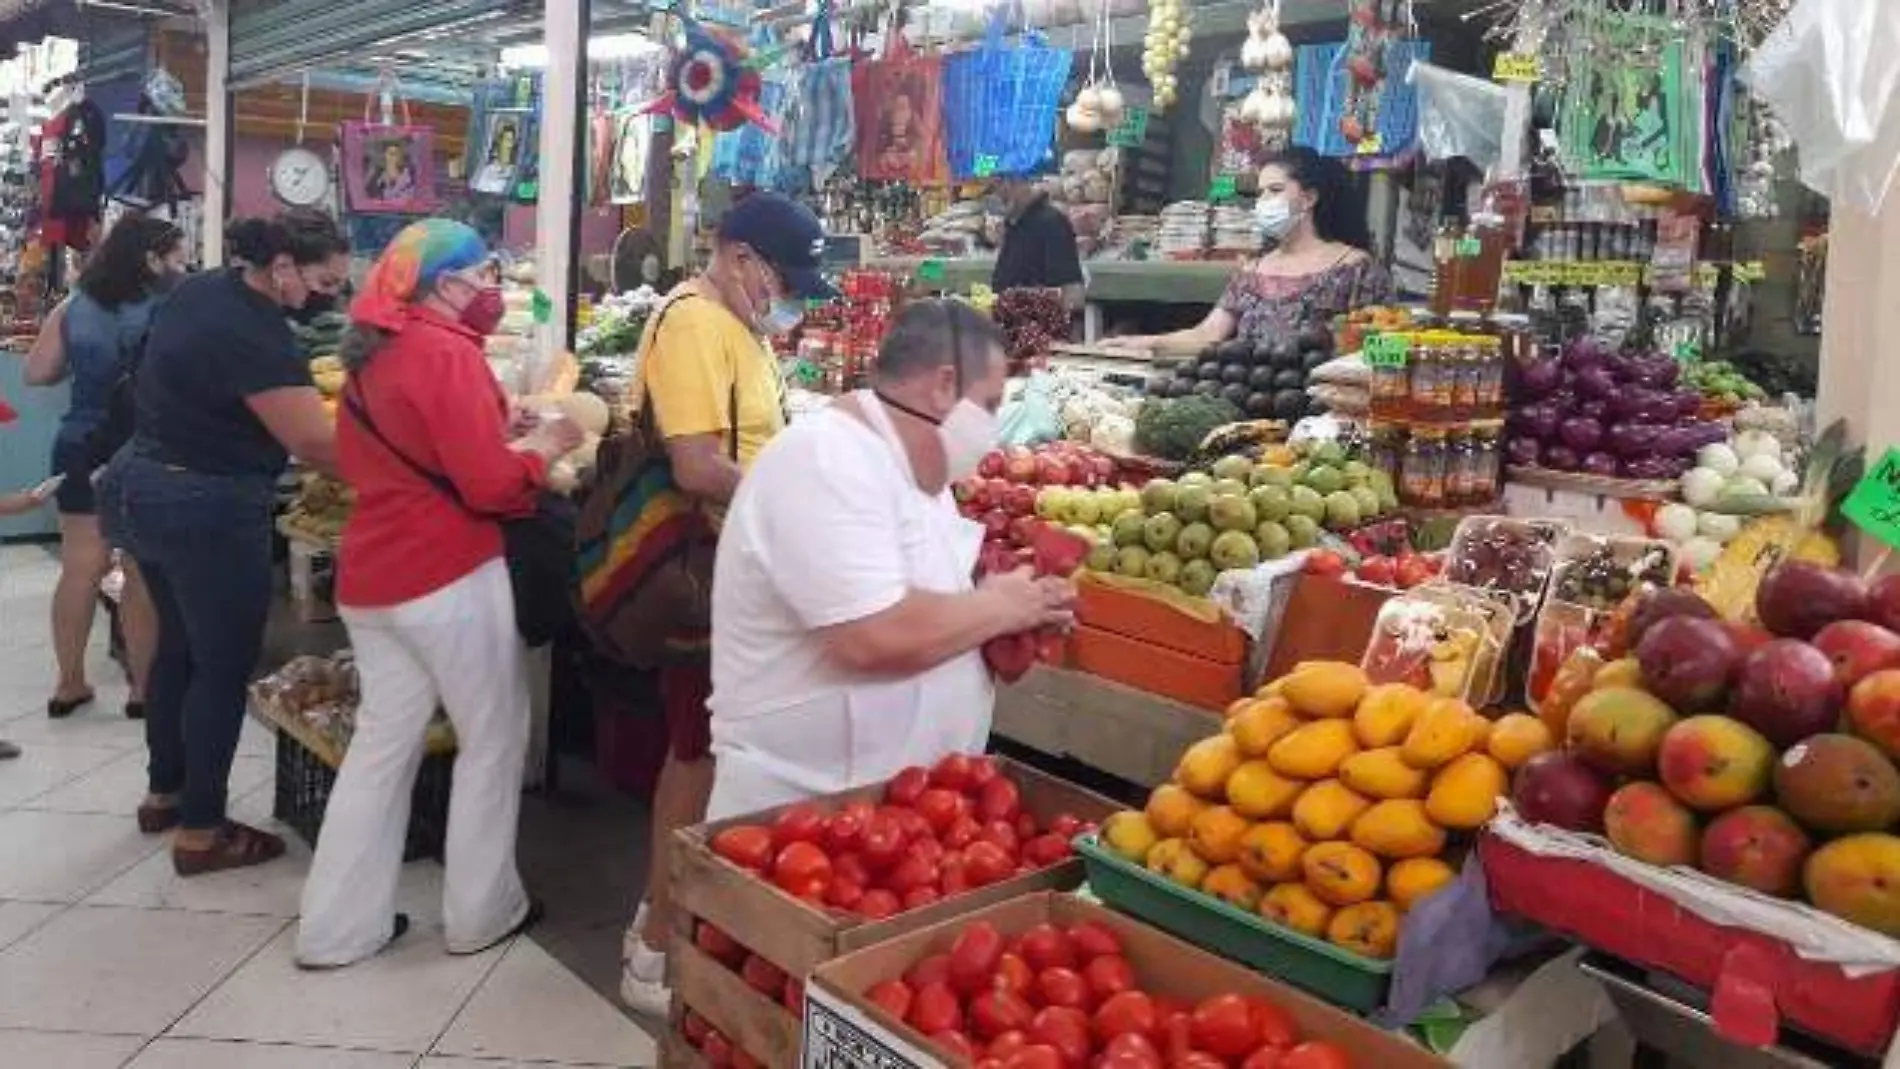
<point>900,117</point>
<point>645,548</point>
<point>389,167</point>
<point>1000,102</point>
<point>820,125</point>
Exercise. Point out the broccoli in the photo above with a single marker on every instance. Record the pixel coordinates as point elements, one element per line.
<point>1173,428</point>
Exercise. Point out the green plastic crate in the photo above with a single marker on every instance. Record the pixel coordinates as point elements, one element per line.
<point>1345,979</point>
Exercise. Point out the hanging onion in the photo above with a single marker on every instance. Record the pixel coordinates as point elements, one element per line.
<point>1279,53</point>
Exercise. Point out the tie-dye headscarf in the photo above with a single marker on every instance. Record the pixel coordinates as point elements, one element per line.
<point>409,267</point>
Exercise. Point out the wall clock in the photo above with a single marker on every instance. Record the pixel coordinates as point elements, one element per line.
<point>299,177</point>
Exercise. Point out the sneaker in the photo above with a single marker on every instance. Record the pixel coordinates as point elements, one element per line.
<point>643,977</point>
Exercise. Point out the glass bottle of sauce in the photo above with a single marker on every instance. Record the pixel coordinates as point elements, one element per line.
<point>1487,482</point>
<point>1422,474</point>
<point>1426,367</point>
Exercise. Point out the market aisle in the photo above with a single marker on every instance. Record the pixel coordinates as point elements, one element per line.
<point>107,959</point>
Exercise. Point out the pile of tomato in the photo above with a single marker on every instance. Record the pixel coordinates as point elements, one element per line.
<point>957,825</point>
<point>1063,999</point>
<point>715,1046</point>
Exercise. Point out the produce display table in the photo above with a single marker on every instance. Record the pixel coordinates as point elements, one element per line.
<point>1119,730</point>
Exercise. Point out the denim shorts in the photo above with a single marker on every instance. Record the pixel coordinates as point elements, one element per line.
<point>73,459</point>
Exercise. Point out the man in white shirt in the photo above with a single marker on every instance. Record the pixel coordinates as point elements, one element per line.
<point>846,624</point>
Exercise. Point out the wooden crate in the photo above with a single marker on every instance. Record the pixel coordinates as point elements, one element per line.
<point>798,936</point>
<point>1124,732</point>
<point>676,1053</point>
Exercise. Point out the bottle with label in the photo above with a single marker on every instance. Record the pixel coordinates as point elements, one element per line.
<point>1428,371</point>
<point>1391,388</point>
<point>1487,462</point>
<point>1422,472</point>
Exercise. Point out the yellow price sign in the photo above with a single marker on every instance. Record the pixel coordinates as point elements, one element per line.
<point>1370,145</point>
<point>1517,67</point>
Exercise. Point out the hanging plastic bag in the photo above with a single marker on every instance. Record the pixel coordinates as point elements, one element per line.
<point>900,117</point>
<point>1827,73</point>
<point>820,124</point>
<point>1458,115</point>
<point>1000,104</point>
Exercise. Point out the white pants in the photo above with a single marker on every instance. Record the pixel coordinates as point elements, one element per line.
<point>457,646</point>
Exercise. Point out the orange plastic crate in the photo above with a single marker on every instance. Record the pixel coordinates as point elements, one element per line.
<point>1139,663</point>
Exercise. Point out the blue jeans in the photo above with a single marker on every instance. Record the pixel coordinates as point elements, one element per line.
<point>202,543</point>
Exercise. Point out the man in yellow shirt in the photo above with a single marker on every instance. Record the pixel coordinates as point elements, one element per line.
<point>716,396</point>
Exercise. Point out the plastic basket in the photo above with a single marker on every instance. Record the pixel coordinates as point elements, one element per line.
<point>304,783</point>
<point>1345,979</point>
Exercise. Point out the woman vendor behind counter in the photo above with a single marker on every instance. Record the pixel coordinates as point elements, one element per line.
<point>1319,268</point>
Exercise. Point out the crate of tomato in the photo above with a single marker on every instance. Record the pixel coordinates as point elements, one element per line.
<point>766,897</point>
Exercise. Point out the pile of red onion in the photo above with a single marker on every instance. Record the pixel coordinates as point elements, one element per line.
<point>1602,412</point>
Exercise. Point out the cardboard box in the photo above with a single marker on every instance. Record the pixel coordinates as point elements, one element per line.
<point>843,1030</point>
<point>1197,681</point>
<point>1134,614</point>
<point>1326,620</point>
<point>1126,732</point>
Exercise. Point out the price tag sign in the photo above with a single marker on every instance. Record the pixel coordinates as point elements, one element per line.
<point>1132,130</point>
<point>981,295</point>
<point>1371,145</point>
<point>1874,503</point>
<point>1751,271</point>
<point>1468,247</point>
<point>930,271</point>
<point>1516,67</point>
<point>1387,350</point>
<point>985,166</point>
<point>1222,188</point>
<point>543,307</point>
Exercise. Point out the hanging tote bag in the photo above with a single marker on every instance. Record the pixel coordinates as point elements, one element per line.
<point>1000,103</point>
<point>820,124</point>
<point>900,117</point>
<point>389,167</point>
<point>645,548</point>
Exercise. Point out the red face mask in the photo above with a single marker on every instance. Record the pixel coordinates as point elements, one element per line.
<point>482,314</point>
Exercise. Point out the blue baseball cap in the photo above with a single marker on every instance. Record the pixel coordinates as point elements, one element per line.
<point>786,235</point>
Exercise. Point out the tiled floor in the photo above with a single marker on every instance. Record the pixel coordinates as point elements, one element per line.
<point>107,959</point>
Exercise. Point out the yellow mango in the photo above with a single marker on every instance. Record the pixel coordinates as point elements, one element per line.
<point>1446,729</point>
<point>1341,873</point>
<point>1627,672</point>
<point>1382,773</point>
<point>1386,713</point>
<point>1415,879</point>
<point>1174,859</point>
<point>1215,834</point>
<point>1232,886</point>
<point>1518,737</point>
<point>1398,829</point>
<point>1326,809</point>
<point>1263,722</point>
<point>1171,809</point>
<point>1465,792</point>
<point>1370,929</point>
<point>1257,792</point>
<point>1271,852</point>
<point>1295,906</point>
<point>1313,751</point>
<point>1325,689</point>
<point>1205,766</point>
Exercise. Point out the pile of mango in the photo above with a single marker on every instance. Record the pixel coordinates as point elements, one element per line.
<point>1329,805</point>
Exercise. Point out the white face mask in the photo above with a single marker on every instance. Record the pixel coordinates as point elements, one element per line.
<point>968,432</point>
<point>1275,217</point>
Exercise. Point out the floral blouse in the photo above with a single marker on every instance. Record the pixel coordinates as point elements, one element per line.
<point>1268,308</point>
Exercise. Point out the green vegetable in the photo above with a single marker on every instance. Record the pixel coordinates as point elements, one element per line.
<point>1173,428</point>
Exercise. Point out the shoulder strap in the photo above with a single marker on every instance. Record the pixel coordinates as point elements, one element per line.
<point>646,394</point>
<point>359,409</point>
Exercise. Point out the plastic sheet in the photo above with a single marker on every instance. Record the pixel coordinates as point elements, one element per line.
<point>1828,73</point>
<point>1458,115</point>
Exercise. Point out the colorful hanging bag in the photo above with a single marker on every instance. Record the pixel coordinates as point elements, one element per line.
<point>900,117</point>
<point>999,104</point>
<point>820,124</point>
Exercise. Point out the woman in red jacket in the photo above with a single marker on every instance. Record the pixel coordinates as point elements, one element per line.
<point>424,592</point>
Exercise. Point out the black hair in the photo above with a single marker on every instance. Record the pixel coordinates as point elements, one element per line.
<point>116,273</point>
<point>305,235</point>
<point>931,334</point>
<point>1339,210</point>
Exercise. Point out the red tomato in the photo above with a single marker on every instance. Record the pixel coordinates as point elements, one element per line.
<point>955,879</point>
<point>716,1049</point>
<point>893,996</point>
<point>1045,947</point>
<point>1065,825</point>
<point>1177,1038</point>
<point>843,893</point>
<point>1272,1024</point>
<point>956,1043</point>
<point>926,848</point>
<point>989,1063</point>
<point>999,799</point>
<point>1130,1011</point>
<point>763,976</point>
<point>1223,1026</point>
<point>1014,974</point>
<point>952,772</point>
<point>1046,850</point>
<point>911,873</point>
<point>1026,826</point>
<point>912,822</point>
<point>986,863</point>
<point>1108,975</point>
<point>1135,1044</point>
<point>1325,562</point>
<point>850,867</point>
<point>1003,834</point>
<point>1316,1055</point>
<point>1265,1058</point>
<point>1034,1056</point>
<point>919,897</point>
<point>1092,939</point>
<point>882,841</point>
<point>794,997</point>
<point>745,845</point>
<point>1066,1029</point>
<point>1379,571</point>
<point>1063,987</point>
<point>742,1060</point>
<point>1413,571</point>
<point>983,770</point>
<point>994,1012</point>
<point>935,1008</point>
<point>931,969</point>
<point>844,829</point>
<point>878,904</point>
<point>800,823</point>
<point>974,956</point>
<point>940,808</point>
<point>694,1028</point>
<point>1007,1044</point>
<point>802,870</point>
<point>718,945</point>
<point>904,787</point>
<point>962,832</point>
<point>1197,1059</point>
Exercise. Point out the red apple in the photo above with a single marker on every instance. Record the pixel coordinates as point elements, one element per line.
<point>1021,501</point>
<point>1873,709</point>
<point>1883,602</point>
<point>1022,530</point>
<point>991,466</point>
<point>966,490</point>
<point>1052,470</point>
<point>996,524</point>
<point>1019,465</point>
<point>1858,649</point>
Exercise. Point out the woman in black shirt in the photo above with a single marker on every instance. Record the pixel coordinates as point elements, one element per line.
<point>223,398</point>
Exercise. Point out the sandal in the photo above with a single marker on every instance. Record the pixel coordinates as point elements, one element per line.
<point>61,708</point>
<point>157,818</point>
<point>238,846</point>
<point>528,920</point>
<point>397,930</point>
